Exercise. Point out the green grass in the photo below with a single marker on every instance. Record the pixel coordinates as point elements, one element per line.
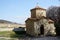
<point>11,34</point>
<point>7,33</point>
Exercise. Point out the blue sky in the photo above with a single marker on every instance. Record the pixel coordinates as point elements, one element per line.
<point>19,10</point>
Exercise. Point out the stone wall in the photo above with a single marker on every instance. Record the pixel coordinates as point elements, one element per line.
<point>30,27</point>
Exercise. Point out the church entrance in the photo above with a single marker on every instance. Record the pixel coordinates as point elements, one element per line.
<point>42,29</point>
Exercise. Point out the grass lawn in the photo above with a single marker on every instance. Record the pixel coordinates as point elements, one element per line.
<point>10,34</point>
<point>6,33</point>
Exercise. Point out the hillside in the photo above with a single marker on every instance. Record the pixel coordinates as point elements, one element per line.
<point>5,21</point>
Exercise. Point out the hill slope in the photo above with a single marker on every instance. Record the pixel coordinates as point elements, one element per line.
<point>5,21</point>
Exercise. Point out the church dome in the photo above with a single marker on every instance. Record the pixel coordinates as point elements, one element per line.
<point>38,7</point>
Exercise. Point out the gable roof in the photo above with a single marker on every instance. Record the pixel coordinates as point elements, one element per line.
<point>50,21</point>
<point>32,19</point>
<point>37,19</point>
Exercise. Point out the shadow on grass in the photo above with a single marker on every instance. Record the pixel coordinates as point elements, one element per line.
<point>18,34</point>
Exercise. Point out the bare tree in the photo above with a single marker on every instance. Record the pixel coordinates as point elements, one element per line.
<point>52,13</point>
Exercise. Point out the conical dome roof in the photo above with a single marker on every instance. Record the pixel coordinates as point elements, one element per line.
<point>38,7</point>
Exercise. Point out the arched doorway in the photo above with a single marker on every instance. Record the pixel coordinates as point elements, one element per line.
<point>42,29</point>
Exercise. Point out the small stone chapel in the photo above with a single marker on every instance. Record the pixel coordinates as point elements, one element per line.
<point>38,24</point>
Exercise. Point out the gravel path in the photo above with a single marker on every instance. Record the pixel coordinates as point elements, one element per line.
<point>28,38</point>
<point>41,38</point>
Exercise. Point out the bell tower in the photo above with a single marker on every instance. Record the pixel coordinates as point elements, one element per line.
<point>37,12</point>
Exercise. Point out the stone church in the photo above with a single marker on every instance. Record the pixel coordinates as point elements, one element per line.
<point>39,24</point>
